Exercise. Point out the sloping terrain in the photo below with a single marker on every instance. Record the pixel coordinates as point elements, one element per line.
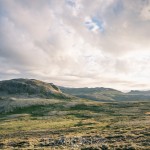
<point>136,92</point>
<point>37,115</point>
<point>9,104</point>
<point>20,93</point>
<point>106,94</point>
<point>30,88</point>
<point>98,94</point>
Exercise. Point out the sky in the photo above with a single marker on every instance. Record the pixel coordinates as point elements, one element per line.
<point>77,43</point>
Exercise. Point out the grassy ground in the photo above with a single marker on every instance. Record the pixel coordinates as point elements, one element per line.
<point>77,125</point>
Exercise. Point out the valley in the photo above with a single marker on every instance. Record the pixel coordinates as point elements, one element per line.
<point>71,122</point>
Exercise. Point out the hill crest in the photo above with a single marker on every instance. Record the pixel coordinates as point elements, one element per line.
<point>30,88</point>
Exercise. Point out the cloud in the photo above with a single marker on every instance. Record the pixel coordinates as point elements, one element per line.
<point>76,42</point>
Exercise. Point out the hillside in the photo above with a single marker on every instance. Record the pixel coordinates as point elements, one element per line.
<point>136,92</point>
<point>38,115</point>
<point>98,93</point>
<point>106,94</point>
<point>30,88</point>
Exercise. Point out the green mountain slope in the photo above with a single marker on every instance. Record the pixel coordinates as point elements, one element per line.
<point>30,88</point>
<point>136,92</point>
<point>98,94</point>
<point>107,94</point>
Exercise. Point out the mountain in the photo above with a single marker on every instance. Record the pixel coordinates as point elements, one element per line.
<point>98,93</point>
<point>136,92</point>
<point>30,88</point>
<point>106,94</point>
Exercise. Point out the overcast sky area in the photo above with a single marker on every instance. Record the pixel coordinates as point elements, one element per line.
<point>77,43</point>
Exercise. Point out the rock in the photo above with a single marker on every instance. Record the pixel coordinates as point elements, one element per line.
<point>104,147</point>
<point>2,145</point>
<point>90,148</point>
<point>19,144</point>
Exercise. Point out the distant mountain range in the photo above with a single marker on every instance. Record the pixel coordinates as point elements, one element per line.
<point>19,93</point>
<point>106,94</point>
<point>31,88</point>
<point>98,93</point>
<point>136,92</point>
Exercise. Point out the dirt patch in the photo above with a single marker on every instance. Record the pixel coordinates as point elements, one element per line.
<point>147,113</point>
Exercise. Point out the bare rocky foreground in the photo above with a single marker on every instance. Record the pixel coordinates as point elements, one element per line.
<point>136,140</point>
<point>77,125</point>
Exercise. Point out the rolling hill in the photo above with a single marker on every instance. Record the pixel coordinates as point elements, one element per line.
<point>19,93</point>
<point>136,92</point>
<point>106,94</point>
<point>39,115</point>
<point>30,88</point>
<point>98,93</point>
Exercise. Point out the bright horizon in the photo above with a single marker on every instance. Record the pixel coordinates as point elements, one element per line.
<point>77,43</point>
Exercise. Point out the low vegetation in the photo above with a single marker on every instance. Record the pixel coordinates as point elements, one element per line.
<point>38,115</point>
<point>30,88</point>
<point>77,124</point>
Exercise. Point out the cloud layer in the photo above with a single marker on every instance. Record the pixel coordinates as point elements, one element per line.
<point>77,42</point>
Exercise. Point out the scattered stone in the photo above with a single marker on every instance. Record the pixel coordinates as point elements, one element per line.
<point>90,148</point>
<point>2,145</point>
<point>22,144</point>
<point>73,141</point>
<point>104,147</point>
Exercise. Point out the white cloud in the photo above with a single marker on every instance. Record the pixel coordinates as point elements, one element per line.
<point>76,42</point>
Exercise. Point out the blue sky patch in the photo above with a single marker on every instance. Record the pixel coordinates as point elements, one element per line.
<point>94,24</point>
<point>99,23</point>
